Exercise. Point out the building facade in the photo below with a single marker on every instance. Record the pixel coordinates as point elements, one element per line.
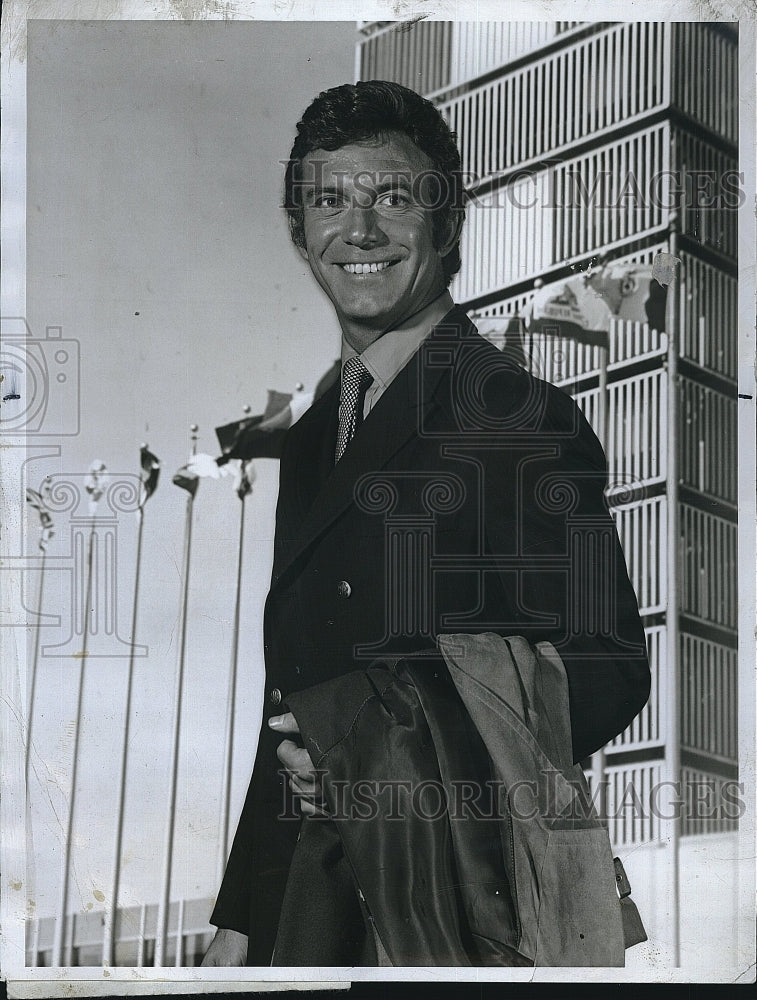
<point>584,143</point>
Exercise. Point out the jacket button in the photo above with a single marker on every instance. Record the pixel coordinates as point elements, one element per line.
<point>343,589</point>
<point>275,696</point>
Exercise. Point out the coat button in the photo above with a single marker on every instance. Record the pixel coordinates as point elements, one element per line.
<point>343,588</point>
<point>275,696</point>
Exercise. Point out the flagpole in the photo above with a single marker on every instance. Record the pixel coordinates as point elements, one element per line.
<point>39,501</point>
<point>109,934</point>
<point>35,661</point>
<point>66,866</point>
<point>163,906</point>
<point>599,757</point>
<point>231,701</point>
<point>672,696</point>
<point>231,705</point>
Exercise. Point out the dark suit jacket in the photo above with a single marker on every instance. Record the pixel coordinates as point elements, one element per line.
<point>470,500</point>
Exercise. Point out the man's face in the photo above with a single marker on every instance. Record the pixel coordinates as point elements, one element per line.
<point>368,222</point>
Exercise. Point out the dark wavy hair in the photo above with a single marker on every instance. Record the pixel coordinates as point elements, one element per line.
<point>370,110</point>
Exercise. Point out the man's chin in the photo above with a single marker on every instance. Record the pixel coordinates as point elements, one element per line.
<point>363,329</point>
<point>371,318</point>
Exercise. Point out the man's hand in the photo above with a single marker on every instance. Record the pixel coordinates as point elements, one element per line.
<point>227,948</point>
<point>303,779</point>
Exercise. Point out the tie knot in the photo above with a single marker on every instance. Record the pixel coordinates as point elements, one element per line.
<point>354,374</point>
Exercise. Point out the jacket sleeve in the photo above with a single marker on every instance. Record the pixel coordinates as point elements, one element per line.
<point>571,587</point>
<point>248,854</point>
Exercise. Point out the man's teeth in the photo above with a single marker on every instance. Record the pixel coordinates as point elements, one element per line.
<point>366,268</point>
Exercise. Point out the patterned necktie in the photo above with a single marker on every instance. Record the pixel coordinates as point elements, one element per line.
<point>355,383</point>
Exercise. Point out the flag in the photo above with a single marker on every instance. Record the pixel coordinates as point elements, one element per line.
<point>150,472</point>
<point>569,308</point>
<point>95,484</point>
<point>199,466</point>
<point>204,466</point>
<point>244,479</point>
<point>187,480</point>
<point>262,436</point>
<point>634,292</point>
<point>39,502</point>
<point>582,307</point>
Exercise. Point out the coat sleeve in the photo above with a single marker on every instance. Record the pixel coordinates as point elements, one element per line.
<point>546,503</point>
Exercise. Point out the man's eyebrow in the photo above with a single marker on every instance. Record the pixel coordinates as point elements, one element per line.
<point>315,187</point>
<point>393,178</point>
<point>380,181</point>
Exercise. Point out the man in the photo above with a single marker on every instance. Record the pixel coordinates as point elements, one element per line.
<point>433,491</point>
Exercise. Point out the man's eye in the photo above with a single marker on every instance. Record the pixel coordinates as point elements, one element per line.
<point>326,201</point>
<point>394,199</point>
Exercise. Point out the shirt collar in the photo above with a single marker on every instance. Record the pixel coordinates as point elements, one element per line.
<point>386,357</point>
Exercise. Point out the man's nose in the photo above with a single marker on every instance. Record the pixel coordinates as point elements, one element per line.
<point>361,227</point>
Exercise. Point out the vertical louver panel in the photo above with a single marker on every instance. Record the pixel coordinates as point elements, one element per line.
<point>709,334</point>
<point>597,83</point>
<point>646,729</point>
<point>708,440</point>
<point>705,82</point>
<point>641,528</point>
<point>709,697</point>
<point>709,550</point>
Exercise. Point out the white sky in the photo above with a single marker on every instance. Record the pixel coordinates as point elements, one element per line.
<point>155,239</point>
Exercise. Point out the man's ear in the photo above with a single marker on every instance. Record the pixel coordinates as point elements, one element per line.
<point>452,230</point>
<point>303,252</point>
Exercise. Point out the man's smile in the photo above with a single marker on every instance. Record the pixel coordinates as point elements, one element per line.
<point>362,269</point>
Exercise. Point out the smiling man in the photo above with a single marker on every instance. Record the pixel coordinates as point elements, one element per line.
<point>435,489</point>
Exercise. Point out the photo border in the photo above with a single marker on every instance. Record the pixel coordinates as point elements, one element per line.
<point>92,981</point>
